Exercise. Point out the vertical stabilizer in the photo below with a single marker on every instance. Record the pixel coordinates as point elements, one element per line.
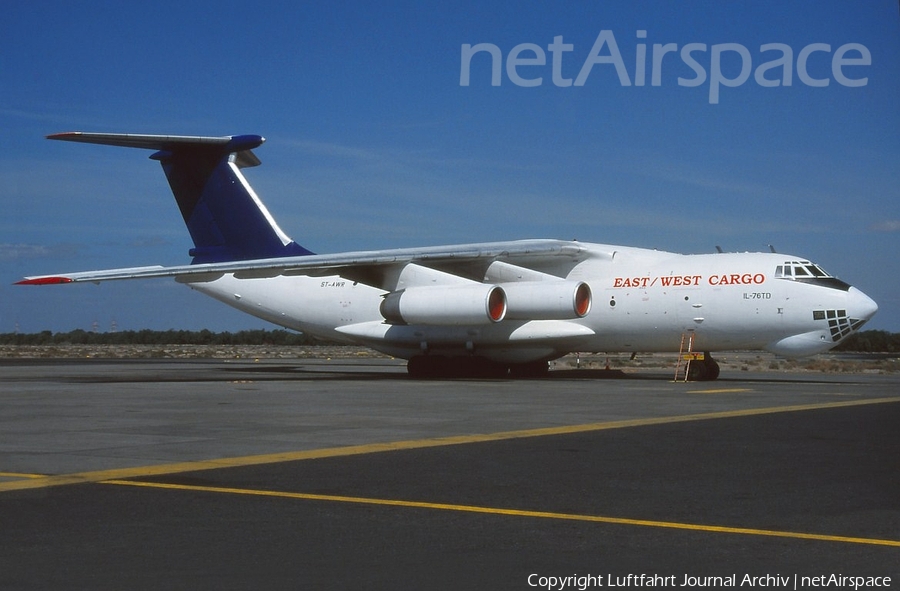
<point>226,219</point>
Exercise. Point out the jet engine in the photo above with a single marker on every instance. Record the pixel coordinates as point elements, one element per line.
<point>446,305</point>
<point>547,300</point>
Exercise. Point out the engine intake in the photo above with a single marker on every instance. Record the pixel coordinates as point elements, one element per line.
<point>446,305</point>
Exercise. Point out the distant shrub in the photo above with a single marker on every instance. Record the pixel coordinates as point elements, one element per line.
<point>871,341</point>
<point>162,337</point>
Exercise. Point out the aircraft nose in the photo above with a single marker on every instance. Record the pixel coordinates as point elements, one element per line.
<point>860,306</point>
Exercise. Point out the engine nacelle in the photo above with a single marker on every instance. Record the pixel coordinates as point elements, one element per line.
<point>547,300</point>
<point>446,305</point>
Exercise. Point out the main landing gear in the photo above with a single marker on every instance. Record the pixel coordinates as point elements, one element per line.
<point>439,366</point>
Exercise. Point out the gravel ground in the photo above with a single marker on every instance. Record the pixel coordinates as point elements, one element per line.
<point>733,361</point>
<point>64,351</point>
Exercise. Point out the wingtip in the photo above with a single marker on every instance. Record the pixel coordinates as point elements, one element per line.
<point>44,281</point>
<point>64,135</point>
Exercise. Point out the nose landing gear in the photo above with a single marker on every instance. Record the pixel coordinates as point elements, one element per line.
<point>702,370</point>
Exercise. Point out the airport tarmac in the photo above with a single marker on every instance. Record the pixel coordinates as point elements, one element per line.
<point>345,473</point>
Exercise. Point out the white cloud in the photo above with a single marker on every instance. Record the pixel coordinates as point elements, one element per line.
<point>887,226</point>
<point>24,252</point>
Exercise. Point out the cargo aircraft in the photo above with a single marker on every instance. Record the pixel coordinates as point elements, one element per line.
<point>486,309</point>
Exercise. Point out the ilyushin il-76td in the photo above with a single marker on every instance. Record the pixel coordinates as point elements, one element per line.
<point>494,309</point>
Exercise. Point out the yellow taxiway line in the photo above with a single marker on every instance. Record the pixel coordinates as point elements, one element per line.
<point>292,456</point>
<point>509,512</point>
<point>20,475</point>
<point>720,391</point>
<point>119,476</point>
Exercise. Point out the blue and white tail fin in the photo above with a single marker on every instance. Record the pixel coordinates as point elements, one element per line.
<point>226,219</point>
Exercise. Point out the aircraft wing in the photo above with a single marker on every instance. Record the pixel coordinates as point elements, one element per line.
<point>369,267</point>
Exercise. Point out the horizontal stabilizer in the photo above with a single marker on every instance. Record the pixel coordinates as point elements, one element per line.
<point>236,143</point>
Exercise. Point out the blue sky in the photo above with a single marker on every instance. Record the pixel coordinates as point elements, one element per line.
<point>372,142</point>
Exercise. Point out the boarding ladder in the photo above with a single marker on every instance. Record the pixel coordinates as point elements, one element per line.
<point>686,355</point>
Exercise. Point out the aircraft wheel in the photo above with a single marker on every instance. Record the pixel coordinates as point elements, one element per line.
<point>483,368</point>
<point>438,366</point>
<point>697,371</point>
<point>704,371</point>
<point>712,368</point>
<point>422,366</point>
<point>535,369</point>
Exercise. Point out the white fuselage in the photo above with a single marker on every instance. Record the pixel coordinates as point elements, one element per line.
<point>643,300</point>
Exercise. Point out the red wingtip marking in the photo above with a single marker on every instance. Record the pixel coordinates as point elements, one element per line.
<point>44,281</point>
<point>56,136</point>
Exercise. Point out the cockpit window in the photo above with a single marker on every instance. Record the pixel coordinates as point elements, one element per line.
<point>807,272</point>
<point>799,269</point>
